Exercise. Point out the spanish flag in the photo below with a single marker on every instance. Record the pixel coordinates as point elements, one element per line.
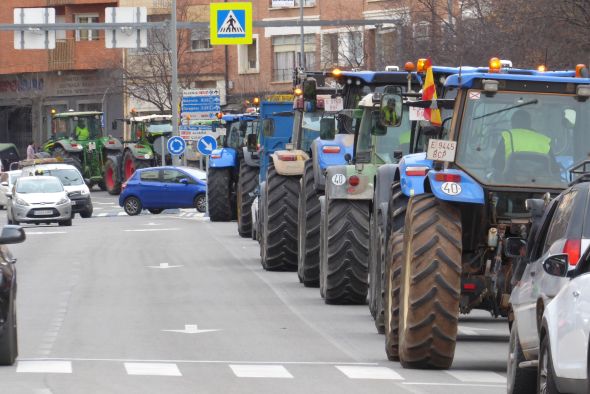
<point>429,93</point>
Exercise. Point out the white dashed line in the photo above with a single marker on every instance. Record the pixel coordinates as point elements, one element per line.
<point>44,367</point>
<point>358,372</point>
<point>261,371</point>
<point>477,376</point>
<point>152,369</point>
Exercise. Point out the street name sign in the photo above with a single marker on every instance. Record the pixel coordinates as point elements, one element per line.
<point>230,23</point>
<point>200,104</point>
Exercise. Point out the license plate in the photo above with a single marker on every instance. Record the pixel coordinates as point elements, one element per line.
<point>441,150</point>
<point>43,212</point>
<point>74,202</point>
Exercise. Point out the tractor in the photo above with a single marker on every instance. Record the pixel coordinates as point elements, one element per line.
<point>453,207</point>
<point>79,136</point>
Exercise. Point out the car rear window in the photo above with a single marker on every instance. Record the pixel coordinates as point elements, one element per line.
<point>561,218</point>
<point>149,175</point>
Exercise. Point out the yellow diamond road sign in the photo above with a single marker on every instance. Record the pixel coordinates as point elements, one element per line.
<point>230,23</point>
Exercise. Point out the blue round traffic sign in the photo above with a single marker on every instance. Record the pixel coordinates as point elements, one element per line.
<point>176,145</point>
<point>206,145</point>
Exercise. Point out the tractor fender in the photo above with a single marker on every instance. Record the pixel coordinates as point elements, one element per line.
<point>143,153</point>
<point>223,158</point>
<point>289,163</point>
<point>319,179</point>
<point>112,144</point>
<point>385,176</point>
<point>69,146</point>
<point>465,191</point>
<point>339,188</point>
<point>323,160</point>
<point>413,185</point>
<point>251,158</point>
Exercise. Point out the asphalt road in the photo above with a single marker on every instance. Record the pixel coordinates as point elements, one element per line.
<point>173,303</point>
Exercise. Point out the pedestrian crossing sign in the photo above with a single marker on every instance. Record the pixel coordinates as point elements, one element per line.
<point>230,23</point>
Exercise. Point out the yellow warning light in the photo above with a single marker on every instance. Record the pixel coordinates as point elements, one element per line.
<point>336,72</point>
<point>219,115</point>
<point>53,111</point>
<point>409,67</point>
<point>541,68</point>
<point>421,65</point>
<point>579,68</point>
<point>495,65</point>
<point>297,91</point>
<point>256,101</point>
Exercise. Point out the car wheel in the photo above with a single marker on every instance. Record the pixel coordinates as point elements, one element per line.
<point>520,380</point>
<point>8,338</point>
<point>201,203</point>
<point>132,206</point>
<point>87,213</point>
<point>545,372</point>
<point>66,222</point>
<point>155,211</point>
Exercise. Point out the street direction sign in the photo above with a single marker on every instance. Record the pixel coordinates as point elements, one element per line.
<point>176,146</point>
<point>126,37</point>
<point>200,104</point>
<point>230,23</point>
<point>206,145</point>
<point>34,38</point>
<point>194,133</point>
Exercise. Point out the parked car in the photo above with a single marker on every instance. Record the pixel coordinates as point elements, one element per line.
<point>7,180</point>
<point>71,179</point>
<point>39,199</point>
<point>565,329</point>
<point>563,227</point>
<point>159,188</point>
<point>8,337</point>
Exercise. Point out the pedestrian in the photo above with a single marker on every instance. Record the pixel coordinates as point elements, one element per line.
<point>31,150</point>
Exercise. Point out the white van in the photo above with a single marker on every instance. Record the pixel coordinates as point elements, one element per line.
<point>72,181</point>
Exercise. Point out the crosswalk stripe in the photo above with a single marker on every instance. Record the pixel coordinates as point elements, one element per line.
<point>260,371</point>
<point>44,367</point>
<point>152,369</point>
<point>477,376</point>
<point>362,372</point>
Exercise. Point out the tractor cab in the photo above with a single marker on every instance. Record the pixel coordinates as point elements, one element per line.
<point>149,128</point>
<point>238,127</point>
<point>81,126</point>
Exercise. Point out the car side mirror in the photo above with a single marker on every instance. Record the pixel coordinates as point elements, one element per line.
<point>557,265</point>
<point>184,181</point>
<point>391,110</point>
<point>514,247</point>
<point>12,235</point>
<point>4,183</point>
<point>252,142</point>
<point>398,154</point>
<point>310,89</point>
<point>327,128</point>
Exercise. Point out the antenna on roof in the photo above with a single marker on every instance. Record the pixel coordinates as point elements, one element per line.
<point>460,68</point>
<point>545,63</point>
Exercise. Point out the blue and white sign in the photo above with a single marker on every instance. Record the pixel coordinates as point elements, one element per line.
<point>176,145</point>
<point>200,103</point>
<point>206,145</point>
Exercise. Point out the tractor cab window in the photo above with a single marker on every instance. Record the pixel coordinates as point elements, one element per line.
<point>268,127</point>
<point>233,135</point>
<point>90,126</point>
<point>60,128</point>
<point>522,138</point>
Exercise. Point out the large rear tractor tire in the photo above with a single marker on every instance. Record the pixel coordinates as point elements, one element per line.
<point>131,163</point>
<point>346,252</point>
<point>279,246</point>
<point>377,270</point>
<point>111,177</point>
<point>246,184</point>
<point>308,266</point>
<point>393,269</point>
<point>8,336</point>
<point>61,153</point>
<point>219,195</point>
<point>430,283</point>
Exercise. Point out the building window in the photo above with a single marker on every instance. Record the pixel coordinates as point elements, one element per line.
<point>87,35</point>
<point>343,48</point>
<point>421,30</point>
<point>286,52</point>
<point>200,41</point>
<point>248,57</point>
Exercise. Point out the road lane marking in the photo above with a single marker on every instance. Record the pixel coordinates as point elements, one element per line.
<point>143,230</point>
<point>45,232</point>
<point>260,371</point>
<point>44,367</point>
<point>358,372</point>
<point>101,215</point>
<point>452,384</point>
<point>477,376</point>
<point>191,329</point>
<point>164,266</point>
<point>152,369</point>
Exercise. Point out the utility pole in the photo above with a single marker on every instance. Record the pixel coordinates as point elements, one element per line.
<point>174,66</point>
<point>302,54</point>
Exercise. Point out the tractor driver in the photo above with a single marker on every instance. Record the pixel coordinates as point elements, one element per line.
<point>388,115</point>
<point>82,132</point>
<point>521,139</point>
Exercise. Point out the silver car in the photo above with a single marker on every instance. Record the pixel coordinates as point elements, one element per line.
<point>7,180</point>
<point>39,200</point>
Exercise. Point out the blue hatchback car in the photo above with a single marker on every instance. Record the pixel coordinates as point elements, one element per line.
<point>159,188</point>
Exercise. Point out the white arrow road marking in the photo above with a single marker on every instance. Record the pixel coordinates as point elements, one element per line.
<point>164,266</point>
<point>191,329</point>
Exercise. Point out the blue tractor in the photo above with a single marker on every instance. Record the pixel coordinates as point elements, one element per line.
<point>511,136</point>
<point>228,190</point>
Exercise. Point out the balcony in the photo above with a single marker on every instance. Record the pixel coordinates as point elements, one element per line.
<point>62,57</point>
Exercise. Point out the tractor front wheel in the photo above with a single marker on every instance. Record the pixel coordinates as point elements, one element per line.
<point>430,283</point>
<point>111,177</point>
<point>131,163</point>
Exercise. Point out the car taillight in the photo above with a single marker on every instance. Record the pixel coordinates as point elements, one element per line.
<point>111,142</point>
<point>573,249</point>
<point>416,171</point>
<point>138,146</point>
<point>216,156</point>
<point>469,287</point>
<point>354,180</point>
<point>331,149</point>
<point>442,177</point>
<point>287,157</point>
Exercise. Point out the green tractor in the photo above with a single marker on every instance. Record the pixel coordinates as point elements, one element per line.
<point>79,136</point>
<point>149,135</point>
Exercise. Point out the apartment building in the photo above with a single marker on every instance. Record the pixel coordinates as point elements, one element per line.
<point>79,74</point>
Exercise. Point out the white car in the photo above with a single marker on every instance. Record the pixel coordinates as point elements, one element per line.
<point>565,330</point>
<point>72,180</point>
<point>7,180</point>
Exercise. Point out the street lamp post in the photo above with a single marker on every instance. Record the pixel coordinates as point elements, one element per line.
<point>174,66</point>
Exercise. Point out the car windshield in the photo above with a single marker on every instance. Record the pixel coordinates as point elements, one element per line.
<point>395,138</point>
<point>67,176</point>
<point>38,185</point>
<point>524,139</point>
<point>201,175</point>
